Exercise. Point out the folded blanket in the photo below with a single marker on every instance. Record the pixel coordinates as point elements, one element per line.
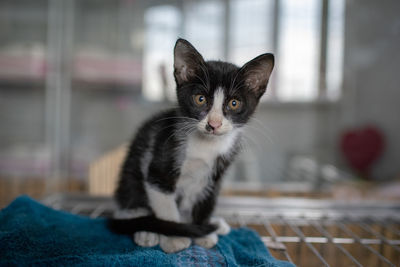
<point>33,234</point>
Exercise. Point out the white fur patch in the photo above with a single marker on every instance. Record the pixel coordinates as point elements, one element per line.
<point>216,110</point>
<point>163,205</point>
<point>197,168</point>
<point>147,157</point>
<point>216,114</point>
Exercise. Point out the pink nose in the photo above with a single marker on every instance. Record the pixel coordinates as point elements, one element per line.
<point>214,124</point>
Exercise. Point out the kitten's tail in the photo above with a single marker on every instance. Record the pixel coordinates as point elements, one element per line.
<point>155,225</point>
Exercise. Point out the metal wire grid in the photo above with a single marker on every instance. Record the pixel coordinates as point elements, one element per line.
<point>305,232</point>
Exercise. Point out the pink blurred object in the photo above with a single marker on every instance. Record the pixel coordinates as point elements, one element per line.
<point>107,69</point>
<point>22,66</point>
<point>362,147</point>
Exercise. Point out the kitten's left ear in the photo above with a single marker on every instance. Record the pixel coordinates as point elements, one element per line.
<point>186,61</point>
<point>256,73</point>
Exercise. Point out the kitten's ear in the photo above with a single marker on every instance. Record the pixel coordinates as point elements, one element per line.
<point>256,73</point>
<point>186,61</point>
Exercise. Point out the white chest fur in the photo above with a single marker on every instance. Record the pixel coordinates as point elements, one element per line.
<point>197,167</point>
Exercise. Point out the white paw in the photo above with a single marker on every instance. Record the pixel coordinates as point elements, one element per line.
<point>174,244</point>
<point>146,239</point>
<point>207,241</point>
<point>223,226</point>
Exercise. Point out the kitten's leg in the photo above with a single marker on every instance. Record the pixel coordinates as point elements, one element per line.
<point>223,226</point>
<point>211,240</point>
<point>207,241</point>
<point>142,238</point>
<point>164,207</point>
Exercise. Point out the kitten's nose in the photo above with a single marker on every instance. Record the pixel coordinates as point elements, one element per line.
<point>214,124</point>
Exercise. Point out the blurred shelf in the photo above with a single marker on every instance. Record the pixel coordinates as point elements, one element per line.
<point>107,69</point>
<point>25,161</point>
<point>23,66</point>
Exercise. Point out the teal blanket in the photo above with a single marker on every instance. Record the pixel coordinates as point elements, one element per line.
<point>33,234</point>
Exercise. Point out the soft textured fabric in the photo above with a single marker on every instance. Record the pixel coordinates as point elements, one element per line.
<point>33,234</point>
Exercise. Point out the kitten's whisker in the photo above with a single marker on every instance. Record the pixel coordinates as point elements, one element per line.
<point>245,145</point>
<point>260,123</point>
<point>180,135</point>
<point>268,138</point>
<point>169,126</point>
<point>164,128</point>
<point>171,118</point>
<point>190,84</point>
<point>243,125</point>
<point>251,145</point>
<point>190,131</point>
<point>234,80</point>
<point>176,107</point>
<point>202,81</point>
<point>205,71</point>
<point>242,145</point>
<point>238,87</point>
<point>179,131</point>
<point>169,137</point>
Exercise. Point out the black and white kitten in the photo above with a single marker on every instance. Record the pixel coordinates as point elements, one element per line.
<point>173,169</point>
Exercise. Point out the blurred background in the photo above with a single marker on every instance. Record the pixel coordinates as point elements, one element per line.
<point>78,77</point>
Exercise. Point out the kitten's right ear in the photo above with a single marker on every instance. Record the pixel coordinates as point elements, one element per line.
<point>186,61</point>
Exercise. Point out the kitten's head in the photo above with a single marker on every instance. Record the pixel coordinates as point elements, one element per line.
<point>219,96</point>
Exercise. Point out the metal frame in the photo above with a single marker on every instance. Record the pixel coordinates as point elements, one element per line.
<point>60,39</point>
<point>303,231</point>
<point>295,214</point>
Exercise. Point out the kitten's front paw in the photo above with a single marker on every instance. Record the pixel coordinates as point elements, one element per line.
<point>223,226</point>
<point>146,239</point>
<point>174,244</point>
<point>207,241</point>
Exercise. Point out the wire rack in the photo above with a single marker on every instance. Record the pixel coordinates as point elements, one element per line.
<point>305,232</point>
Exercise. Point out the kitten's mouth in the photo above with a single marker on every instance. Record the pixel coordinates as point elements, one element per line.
<point>213,132</point>
<point>213,129</point>
<point>209,129</point>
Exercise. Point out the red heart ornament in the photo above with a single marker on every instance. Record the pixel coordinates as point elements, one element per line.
<point>362,147</point>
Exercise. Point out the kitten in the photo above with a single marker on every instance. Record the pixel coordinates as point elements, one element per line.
<point>172,173</point>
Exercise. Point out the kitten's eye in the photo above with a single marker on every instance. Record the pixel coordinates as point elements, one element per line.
<point>234,104</point>
<point>199,100</point>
